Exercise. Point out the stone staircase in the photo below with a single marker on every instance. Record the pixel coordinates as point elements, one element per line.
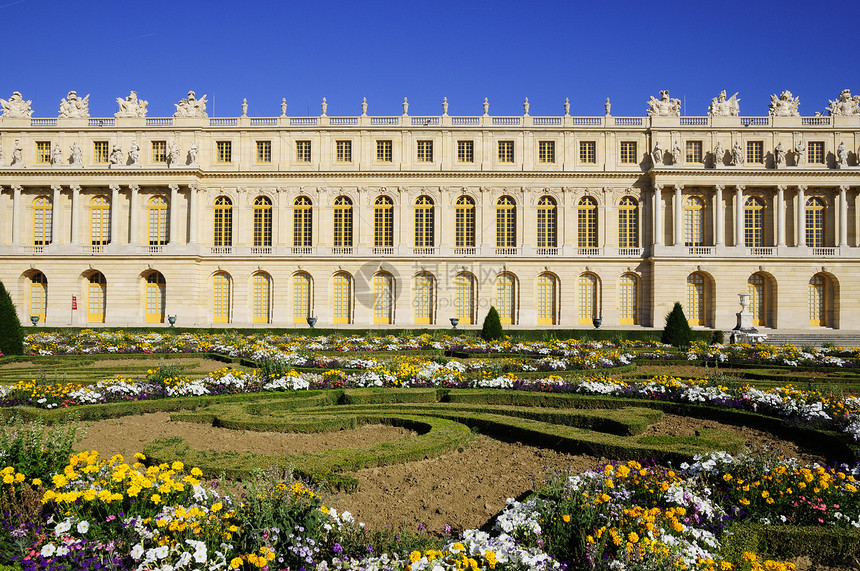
<point>801,338</point>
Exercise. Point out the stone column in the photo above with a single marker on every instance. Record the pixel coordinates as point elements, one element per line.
<point>16,213</point>
<point>843,216</point>
<point>719,215</point>
<point>174,214</point>
<point>76,195</point>
<point>801,216</point>
<point>132,213</point>
<point>678,223</point>
<point>780,215</point>
<point>658,215</point>
<point>55,214</point>
<point>739,215</point>
<point>192,212</point>
<point>114,212</point>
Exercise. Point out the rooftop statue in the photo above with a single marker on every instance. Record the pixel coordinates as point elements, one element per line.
<point>785,105</point>
<point>16,106</point>
<point>722,107</point>
<point>131,106</point>
<point>191,106</point>
<point>73,106</point>
<point>845,105</point>
<point>664,107</point>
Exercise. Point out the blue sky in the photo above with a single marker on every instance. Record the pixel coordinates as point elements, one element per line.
<point>464,50</point>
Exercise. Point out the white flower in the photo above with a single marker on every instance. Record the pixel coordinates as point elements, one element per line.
<point>83,527</point>
<point>136,552</point>
<point>48,550</point>
<point>63,527</point>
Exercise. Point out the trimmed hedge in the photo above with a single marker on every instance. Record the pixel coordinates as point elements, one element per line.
<point>823,545</point>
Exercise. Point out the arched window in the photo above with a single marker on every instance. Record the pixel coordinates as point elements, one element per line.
<point>100,221</point>
<point>301,297</point>
<point>42,221</point>
<point>383,298</point>
<point>262,285</point>
<point>818,301</point>
<point>628,300</point>
<point>221,298</point>
<point>342,298</point>
<point>302,222</point>
<point>222,228</point>
<point>156,294</point>
<point>587,223</point>
<point>506,298</point>
<point>342,237</point>
<point>546,299</point>
<point>695,299</point>
<point>424,222</point>
<point>547,223</point>
<point>755,285</point>
<point>694,224</point>
<point>815,223</point>
<point>39,296</point>
<point>383,223</point>
<point>464,223</point>
<point>754,223</point>
<point>424,302</point>
<point>588,306</point>
<point>158,221</point>
<point>262,222</point>
<point>628,223</point>
<point>464,298</point>
<point>96,298</point>
<point>506,223</point>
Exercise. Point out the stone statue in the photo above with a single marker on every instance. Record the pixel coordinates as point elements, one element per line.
<point>77,155</point>
<point>445,106</point>
<point>719,154</point>
<point>191,106</point>
<point>785,105</point>
<point>134,154</point>
<point>72,106</point>
<point>245,107</point>
<point>567,107</point>
<point>173,151</point>
<point>737,154</point>
<point>324,107</point>
<point>283,107</point>
<point>364,106</point>
<point>665,106</point>
<point>56,156</point>
<point>845,105</point>
<point>841,155</point>
<point>16,107</point>
<point>657,154</point>
<point>526,107</point>
<point>607,106</point>
<point>779,155</point>
<point>676,153</point>
<point>486,106</point>
<point>17,154</point>
<point>131,106</point>
<point>192,154</point>
<point>800,153</point>
<point>722,107</point>
<point>116,155</point>
<point>405,107</point>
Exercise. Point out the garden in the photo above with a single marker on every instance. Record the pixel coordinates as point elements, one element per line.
<point>173,450</point>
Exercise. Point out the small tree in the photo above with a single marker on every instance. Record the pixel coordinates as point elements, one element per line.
<point>677,331</point>
<point>492,328</point>
<point>11,333</point>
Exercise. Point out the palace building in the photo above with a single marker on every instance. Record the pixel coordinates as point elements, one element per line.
<point>409,221</point>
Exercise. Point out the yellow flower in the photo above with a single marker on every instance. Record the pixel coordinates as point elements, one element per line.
<point>633,537</point>
<point>216,507</point>
<point>415,556</point>
<point>155,498</point>
<point>566,518</point>
<point>236,562</point>
<point>37,482</point>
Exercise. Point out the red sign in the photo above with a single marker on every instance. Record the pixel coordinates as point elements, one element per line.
<point>74,302</point>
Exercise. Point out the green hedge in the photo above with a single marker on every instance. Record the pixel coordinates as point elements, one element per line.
<point>823,545</point>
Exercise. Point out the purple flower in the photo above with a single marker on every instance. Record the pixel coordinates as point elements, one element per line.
<point>337,548</point>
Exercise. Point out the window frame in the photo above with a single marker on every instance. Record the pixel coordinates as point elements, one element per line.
<point>43,154</point>
<point>384,151</point>
<point>264,152</point>
<point>628,152</point>
<point>588,150</point>
<point>693,152</point>
<point>465,151</point>
<point>546,152</point>
<point>158,152</point>
<point>424,151</point>
<point>343,151</point>
<point>505,154</point>
<point>101,152</point>
<point>755,152</point>
<point>303,151</point>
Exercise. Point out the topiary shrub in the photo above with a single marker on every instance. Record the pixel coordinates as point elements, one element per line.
<point>492,328</point>
<point>11,334</point>
<point>677,331</point>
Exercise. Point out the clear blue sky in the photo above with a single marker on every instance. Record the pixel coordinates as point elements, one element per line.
<point>465,50</point>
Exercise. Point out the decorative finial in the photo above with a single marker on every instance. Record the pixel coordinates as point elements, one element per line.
<point>486,106</point>
<point>405,107</point>
<point>324,107</point>
<point>526,107</point>
<point>364,106</point>
<point>284,107</point>
<point>567,107</point>
<point>245,107</point>
<point>444,106</point>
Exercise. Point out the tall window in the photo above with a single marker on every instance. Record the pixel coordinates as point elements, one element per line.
<point>222,228</point>
<point>423,302</point>
<point>694,224</point>
<point>158,216</point>
<point>342,237</point>
<point>42,221</point>
<point>221,298</point>
<point>303,151</point>
<point>342,298</point>
<point>465,151</point>
<point>695,299</point>
<point>343,151</point>
<point>384,151</point>
<point>383,223</point>
<point>43,152</point>
<point>546,152</point>
<point>39,295</point>
<point>383,294</point>
<point>424,151</point>
<point>694,151</point>
<point>302,222</point>
<point>815,223</point>
<point>817,301</point>
<point>99,221</point>
<point>755,286</point>
<point>262,222</point>
<point>547,223</point>
<point>506,223</point>
<point>156,294</point>
<point>159,151</point>
<point>506,298</point>
<point>262,286</point>
<point>815,152</point>
<point>224,151</point>
<point>754,222</point>
<point>588,152</point>
<point>587,298</point>
<point>628,152</point>
<point>546,285</point>
<point>264,151</point>
<point>101,152</point>
<point>587,222</point>
<point>464,223</point>
<point>628,223</point>
<point>424,222</point>
<point>506,151</point>
<point>301,297</point>
<point>96,298</point>
<point>755,152</point>
<point>628,299</point>
<point>464,298</point>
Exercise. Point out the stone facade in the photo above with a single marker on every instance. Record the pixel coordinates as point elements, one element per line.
<point>409,221</point>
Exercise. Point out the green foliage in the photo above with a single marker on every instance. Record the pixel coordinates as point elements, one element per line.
<point>34,449</point>
<point>824,545</point>
<point>492,328</point>
<point>271,369</point>
<point>358,541</point>
<point>11,333</point>
<point>677,331</point>
<point>164,372</point>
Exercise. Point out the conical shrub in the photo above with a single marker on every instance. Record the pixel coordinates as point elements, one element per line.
<point>677,331</point>
<point>11,333</point>
<point>492,328</point>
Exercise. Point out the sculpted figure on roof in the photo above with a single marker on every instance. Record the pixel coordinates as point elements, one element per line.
<point>664,107</point>
<point>785,105</point>
<point>722,107</point>
<point>16,106</point>
<point>191,106</point>
<point>845,105</point>
<point>73,106</point>
<point>131,106</point>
